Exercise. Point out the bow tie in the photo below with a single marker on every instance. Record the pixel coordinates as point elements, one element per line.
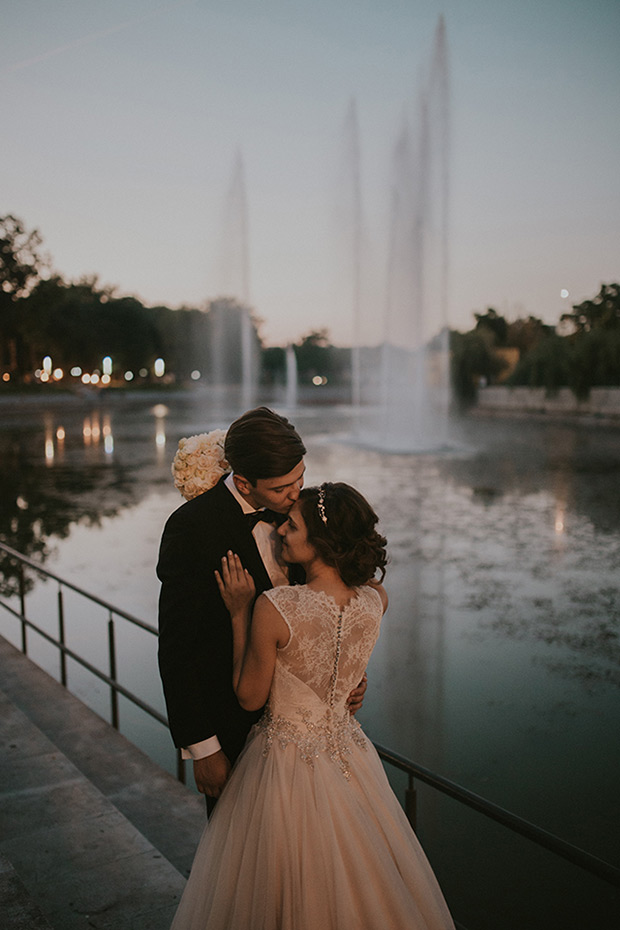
<point>268,516</point>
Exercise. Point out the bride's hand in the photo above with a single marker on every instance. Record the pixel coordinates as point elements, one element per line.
<point>236,584</point>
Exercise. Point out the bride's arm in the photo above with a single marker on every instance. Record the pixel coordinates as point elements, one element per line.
<point>256,636</point>
<point>256,648</point>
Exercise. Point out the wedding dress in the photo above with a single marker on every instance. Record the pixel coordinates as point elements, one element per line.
<point>307,834</point>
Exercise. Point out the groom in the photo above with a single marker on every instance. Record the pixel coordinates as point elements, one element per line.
<point>266,454</point>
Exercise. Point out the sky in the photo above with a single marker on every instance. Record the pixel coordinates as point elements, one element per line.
<point>126,123</point>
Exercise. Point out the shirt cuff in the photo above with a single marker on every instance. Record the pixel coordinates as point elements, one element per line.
<point>207,747</point>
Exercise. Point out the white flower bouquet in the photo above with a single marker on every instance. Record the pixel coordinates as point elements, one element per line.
<point>199,463</point>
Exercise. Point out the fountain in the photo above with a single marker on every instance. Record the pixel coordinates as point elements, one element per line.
<point>401,385</point>
<point>233,335</point>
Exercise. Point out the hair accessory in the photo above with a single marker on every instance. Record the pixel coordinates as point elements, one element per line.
<point>321,505</point>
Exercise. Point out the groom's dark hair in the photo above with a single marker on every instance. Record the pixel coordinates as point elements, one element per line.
<point>262,444</point>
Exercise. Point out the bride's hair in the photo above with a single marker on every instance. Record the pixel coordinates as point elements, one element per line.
<point>341,528</point>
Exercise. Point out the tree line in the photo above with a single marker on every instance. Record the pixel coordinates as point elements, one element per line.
<point>580,353</point>
<point>76,323</point>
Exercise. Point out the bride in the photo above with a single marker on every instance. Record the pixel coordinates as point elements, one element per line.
<point>307,834</point>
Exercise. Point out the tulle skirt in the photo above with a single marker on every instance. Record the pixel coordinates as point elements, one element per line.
<point>295,846</point>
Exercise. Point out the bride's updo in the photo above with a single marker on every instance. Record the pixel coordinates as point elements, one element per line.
<point>341,527</point>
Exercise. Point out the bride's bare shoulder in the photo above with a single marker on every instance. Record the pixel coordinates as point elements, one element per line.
<point>378,587</point>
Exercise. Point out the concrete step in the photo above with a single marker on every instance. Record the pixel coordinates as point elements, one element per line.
<point>17,909</point>
<point>97,834</point>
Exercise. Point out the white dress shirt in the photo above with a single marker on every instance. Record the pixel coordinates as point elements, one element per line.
<point>269,547</point>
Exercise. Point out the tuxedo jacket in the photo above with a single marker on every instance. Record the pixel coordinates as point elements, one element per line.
<point>195,633</point>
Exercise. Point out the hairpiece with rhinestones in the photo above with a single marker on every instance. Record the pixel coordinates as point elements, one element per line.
<point>320,504</point>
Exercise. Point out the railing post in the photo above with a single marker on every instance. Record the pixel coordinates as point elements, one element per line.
<point>61,637</point>
<point>411,802</point>
<point>113,691</point>
<point>22,604</point>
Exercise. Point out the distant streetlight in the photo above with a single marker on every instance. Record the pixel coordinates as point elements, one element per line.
<point>160,367</point>
<point>106,365</point>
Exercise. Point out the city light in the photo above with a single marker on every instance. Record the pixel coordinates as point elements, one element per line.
<point>159,367</point>
<point>47,365</point>
<point>195,375</point>
<point>129,376</point>
<point>106,365</point>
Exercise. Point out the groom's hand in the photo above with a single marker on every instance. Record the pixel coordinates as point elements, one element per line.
<point>356,698</point>
<point>211,773</point>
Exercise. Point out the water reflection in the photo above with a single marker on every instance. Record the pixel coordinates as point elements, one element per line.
<point>160,412</point>
<point>44,495</point>
<point>499,659</point>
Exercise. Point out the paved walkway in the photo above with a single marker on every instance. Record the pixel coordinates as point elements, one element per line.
<point>92,833</point>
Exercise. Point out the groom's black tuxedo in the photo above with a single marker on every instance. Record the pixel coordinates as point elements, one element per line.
<point>195,641</point>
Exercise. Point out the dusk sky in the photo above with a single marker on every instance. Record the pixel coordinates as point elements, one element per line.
<point>122,121</point>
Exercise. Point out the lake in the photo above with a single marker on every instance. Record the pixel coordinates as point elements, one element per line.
<point>498,665</point>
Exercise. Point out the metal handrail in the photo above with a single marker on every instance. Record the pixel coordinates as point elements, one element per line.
<point>109,679</point>
<point>517,824</point>
<point>24,560</point>
<point>596,866</point>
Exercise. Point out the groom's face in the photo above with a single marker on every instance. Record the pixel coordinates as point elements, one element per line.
<point>279,493</point>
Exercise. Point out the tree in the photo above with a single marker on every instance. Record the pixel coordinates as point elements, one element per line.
<point>524,335</point>
<point>20,261</point>
<point>493,324</point>
<point>603,312</point>
<point>472,360</point>
<point>595,360</point>
<point>273,365</point>
<point>549,364</point>
<point>314,355</point>
<point>77,324</point>
<point>20,268</point>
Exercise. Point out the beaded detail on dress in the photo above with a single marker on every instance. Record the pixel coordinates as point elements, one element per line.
<point>315,672</point>
<point>334,737</point>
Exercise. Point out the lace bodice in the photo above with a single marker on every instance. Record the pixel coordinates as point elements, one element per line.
<point>324,659</point>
